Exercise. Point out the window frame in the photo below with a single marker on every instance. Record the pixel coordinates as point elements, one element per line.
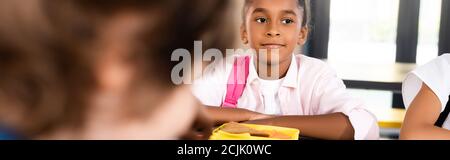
<point>406,42</point>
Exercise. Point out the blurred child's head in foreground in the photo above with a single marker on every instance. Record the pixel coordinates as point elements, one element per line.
<point>62,61</point>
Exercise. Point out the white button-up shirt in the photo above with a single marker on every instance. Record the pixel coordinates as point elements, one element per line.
<point>310,87</point>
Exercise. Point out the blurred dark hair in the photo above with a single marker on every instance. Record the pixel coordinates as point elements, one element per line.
<point>304,5</point>
<point>47,73</point>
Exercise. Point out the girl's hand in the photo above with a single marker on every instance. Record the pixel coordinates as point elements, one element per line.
<point>201,128</point>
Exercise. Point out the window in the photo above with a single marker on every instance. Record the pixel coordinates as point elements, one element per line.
<point>363,31</point>
<point>367,33</point>
<point>429,21</point>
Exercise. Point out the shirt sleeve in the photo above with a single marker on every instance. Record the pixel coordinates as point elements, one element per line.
<point>435,74</point>
<point>333,97</point>
<point>210,88</point>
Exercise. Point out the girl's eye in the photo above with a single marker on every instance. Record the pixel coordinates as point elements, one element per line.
<point>287,21</point>
<point>261,20</point>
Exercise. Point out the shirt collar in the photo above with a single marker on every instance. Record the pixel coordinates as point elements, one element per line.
<point>290,80</point>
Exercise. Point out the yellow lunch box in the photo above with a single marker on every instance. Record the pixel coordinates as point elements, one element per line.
<point>219,134</point>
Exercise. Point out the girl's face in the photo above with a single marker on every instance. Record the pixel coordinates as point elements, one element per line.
<point>274,25</point>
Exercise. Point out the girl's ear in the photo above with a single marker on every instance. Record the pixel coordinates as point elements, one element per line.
<point>244,36</point>
<point>303,36</point>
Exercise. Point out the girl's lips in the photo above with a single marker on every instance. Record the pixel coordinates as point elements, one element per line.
<point>272,46</point>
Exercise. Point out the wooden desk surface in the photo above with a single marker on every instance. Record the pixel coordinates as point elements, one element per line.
<point>373,76</point>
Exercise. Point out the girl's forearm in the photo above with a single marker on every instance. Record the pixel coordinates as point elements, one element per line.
<point>335,126</point>
<point>222,115</point>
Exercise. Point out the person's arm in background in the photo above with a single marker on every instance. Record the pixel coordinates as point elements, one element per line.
<point>334,126</point>
<point>421,116</point>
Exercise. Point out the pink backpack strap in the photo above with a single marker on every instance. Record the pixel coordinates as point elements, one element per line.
<point>237,81</point>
